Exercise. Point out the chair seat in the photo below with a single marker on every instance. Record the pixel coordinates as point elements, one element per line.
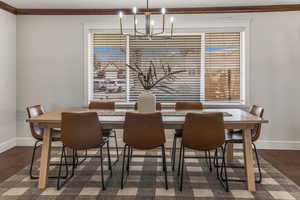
<point>234,136</point>
<point>56,136</point>
<point>106,132</point>
<point>178,132</point>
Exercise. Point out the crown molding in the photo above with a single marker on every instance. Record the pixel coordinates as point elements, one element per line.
<point>8,8</point>
<point>205,10</point>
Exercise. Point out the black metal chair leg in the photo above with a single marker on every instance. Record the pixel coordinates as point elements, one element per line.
<point>128,158</point>
<point>73,163</point>
<point>173,156</point>
<point>116,142</point>
<point>59,169</point>
<point>123,165</point>
<point>216,163</point>
<point>109,160</point>
<point>66,164</point>
<point>77,158</point>
<point>258,164</point>
<point>101,164</point>
<point>216,158</point>
<point>225,170</point>
<point>209,160</point>
<point>164,165</point>
<point>222,167</point>
<point>32,160</point>
<point>64,156</point>
<point>182,167</point>
<point>179,162</point>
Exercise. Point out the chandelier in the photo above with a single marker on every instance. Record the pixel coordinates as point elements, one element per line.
<point>149,24</point>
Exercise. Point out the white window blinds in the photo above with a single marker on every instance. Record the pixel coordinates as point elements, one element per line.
<point>109,74</point>
<point>222,66</point>
<point>180,53</point>
<point>212,64</point>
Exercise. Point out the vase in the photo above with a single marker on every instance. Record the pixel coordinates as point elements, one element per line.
<point>147,102</point>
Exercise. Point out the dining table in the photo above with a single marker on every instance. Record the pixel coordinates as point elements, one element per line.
<point>114,119</point>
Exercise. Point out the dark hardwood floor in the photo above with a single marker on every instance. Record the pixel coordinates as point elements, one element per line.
<point>13,160</point>
<point>285,161</point>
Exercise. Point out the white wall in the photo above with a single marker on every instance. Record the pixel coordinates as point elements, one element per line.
<point>50,67</point>
<point>7,80</point>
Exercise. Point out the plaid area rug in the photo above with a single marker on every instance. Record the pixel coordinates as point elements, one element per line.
<point>146,181</point>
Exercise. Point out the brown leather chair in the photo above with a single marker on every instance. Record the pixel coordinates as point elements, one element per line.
<point>143,131</point>
<point>185,105</point>
<point>203,132</point>
<point>158,106</point>
<point>81,131</point>
<point>106,132</point>
<point>37,134</point>
<point>236,137</point>
<point>102,105</point>
<point>188,105</point>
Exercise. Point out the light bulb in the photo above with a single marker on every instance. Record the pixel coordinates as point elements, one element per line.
<point>172,19</point>
<point>163,11</point>
<point>152,22</point>
<point>121,14</point>
<point>134,10</point>
<point>135,22</point>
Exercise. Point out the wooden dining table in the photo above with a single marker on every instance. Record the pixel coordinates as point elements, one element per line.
<point>172,119</point>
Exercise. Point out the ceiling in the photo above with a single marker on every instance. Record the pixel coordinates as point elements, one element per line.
<point>103,4</point>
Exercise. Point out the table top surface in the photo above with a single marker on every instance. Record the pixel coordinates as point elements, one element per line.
<point>169,115</point>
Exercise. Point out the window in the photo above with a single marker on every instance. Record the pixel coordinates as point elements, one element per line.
<point>109,67</point>
<point>222,66</point>
<point>180,53</point>
<point>212,64</point>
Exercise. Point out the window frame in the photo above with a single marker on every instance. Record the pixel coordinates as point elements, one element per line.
<point>225,25</point>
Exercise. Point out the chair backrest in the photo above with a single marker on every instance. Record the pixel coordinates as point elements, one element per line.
<point>81,130</point>
<point>188,105</point>
<point>203,131</point>
<point>35,111</point>
<point>144,130</point>
<point>158,106</point>
<point>257,111</point>
<point>102,105</point>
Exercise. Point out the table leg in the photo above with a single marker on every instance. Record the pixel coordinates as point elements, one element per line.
<point>229,153</point>
<point>45,158</point>
<point>248,160</point>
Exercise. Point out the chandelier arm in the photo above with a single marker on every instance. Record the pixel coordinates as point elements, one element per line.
<point>134,22</point>
<point>172,30</point>
<point>163,29</point>
<point>121,26</point>
<point>147,5</point>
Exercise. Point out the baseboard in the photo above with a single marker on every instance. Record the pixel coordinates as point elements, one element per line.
<point>278,144</point>
<point>4,146</point>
